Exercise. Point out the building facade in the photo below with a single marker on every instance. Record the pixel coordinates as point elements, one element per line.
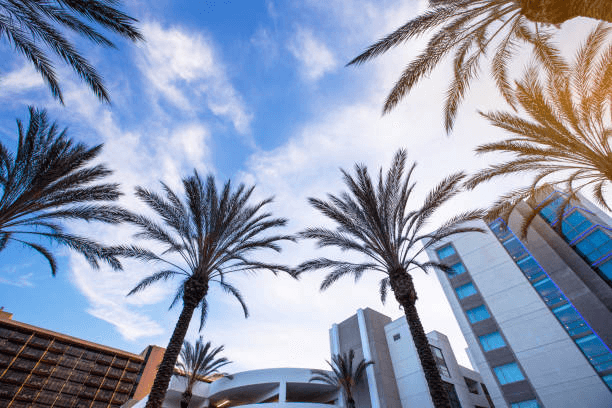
<point>536,312</point>
<point>41,368</point>
<point>396,379</point>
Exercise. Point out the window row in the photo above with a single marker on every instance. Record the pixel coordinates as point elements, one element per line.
<point>526,404</point>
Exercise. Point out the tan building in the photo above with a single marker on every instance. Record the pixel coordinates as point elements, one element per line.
<point>41,368</point>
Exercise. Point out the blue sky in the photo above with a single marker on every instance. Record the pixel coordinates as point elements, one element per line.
<point>255,91</point>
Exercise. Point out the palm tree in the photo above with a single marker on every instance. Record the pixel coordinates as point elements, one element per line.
<point>50,179</point>
<point>30,25</point>
<point>197,362</point>
<point>470,28</point>
<point>211,235</point>
<point>565,138</point>
<point>342,374</point>
<point>374,221</point>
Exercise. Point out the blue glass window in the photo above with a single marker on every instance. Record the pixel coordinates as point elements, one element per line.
<point>500,230</point>
<point>595,245</point>
<point>515,248</point>
<point>596,351</point>
<point>608,380</point>
<point>530,268</point>
<point>549,213</point>
<point>575,224</point>
<point>508,373</point>
<point>457,268</point>
<point>466,290</point>
<point>445,252</point>
<point>549,292</point>
<point>477,314</point>
<point>526,404</point>
<point>606,269</point>
<point>491,341</point>
<point>571,320</point>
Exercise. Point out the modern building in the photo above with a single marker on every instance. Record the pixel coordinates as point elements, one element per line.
<point>396,379</point>
<point>536,313</point>
<point>268,388</point>
<point>41,368</point>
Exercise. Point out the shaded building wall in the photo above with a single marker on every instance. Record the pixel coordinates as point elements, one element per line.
<point>42,368</point>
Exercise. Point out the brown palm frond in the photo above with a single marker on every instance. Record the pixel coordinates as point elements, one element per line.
<point>469,29</point>
<point>562,133</point>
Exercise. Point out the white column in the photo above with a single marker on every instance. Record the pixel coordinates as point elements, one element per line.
<point>334,339</point>
<point>367,355</point>
<point>282,391</point>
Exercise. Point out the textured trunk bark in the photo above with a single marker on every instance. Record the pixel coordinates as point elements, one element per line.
<point>186,399</point>
<point>404,291</point>
<point>350,403</point>
<point>559,11</point>
<point>194,293</point>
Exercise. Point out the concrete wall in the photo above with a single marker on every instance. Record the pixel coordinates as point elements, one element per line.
<point>557,370</point>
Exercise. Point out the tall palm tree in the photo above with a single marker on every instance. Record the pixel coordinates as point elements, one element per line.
<point>343,375</point>
<point>374,221</point>
<point>469,28</point>
<point>562,134</point>
<point>196,362</point>
<point>32,25</point>
<point>49,179</point>
<point>207,236</point>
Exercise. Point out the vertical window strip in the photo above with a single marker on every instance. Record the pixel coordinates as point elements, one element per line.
<point>597,352</point>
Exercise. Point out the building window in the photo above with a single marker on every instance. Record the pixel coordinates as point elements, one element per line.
<point>526,404</point>
<point>457,268</point>
<point>608,380</point>
<point>594,245</point>
<point>530,268</point>
<point>515,248</point>
<point>549,213</point>
<point>487,395</point>
<point>508,373</point>
<point>596,351</point>
<point>570,319</point>
<point>548,291</point>
<point>606,269</point>
<point>466,290</point>
<point>439,357</point>
<point>477,314</point>
<point>452,395</point>
<point>471,385</point>
<point>446,251</point>
<point>396,337</point>
<point>575,224</point>
<point>491,341</point>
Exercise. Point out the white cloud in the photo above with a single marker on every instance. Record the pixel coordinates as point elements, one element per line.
<point>315,58</point>
<point>21,80</point>
<point>182,66</point>
<point>14,276</point>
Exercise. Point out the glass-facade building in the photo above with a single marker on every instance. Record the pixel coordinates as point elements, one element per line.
<point>536,311</point>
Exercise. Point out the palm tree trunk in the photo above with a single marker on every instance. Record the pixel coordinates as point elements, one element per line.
<point>559,11</point>
<point>405,293</point>
<point>166,368</point>
<point>186,399</point>
<point>350,402</point>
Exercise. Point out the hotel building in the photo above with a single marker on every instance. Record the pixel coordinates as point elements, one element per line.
<point>41,368</point>
<point>536,313</point>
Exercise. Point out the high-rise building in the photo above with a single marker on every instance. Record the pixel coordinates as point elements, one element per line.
<point>536,313</point>
<point>396,379</point>
<point>41,368</point>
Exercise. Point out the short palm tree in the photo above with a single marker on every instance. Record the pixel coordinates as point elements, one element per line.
<point>196,362</point>
<point>211,234</point>
<point>375,222</point>
<point>343,374</point>
<point>562,135</point>
<point>30,25</point>
<point>49,179</point>
<point>470,29</point>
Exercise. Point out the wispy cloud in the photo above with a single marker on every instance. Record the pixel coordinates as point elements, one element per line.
<point>21,80</point>
<point>315,58</point>
<point>15,276</point>
<point>182,66</point>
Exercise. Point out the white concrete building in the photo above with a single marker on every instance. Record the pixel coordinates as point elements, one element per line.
<point>536,314</point>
